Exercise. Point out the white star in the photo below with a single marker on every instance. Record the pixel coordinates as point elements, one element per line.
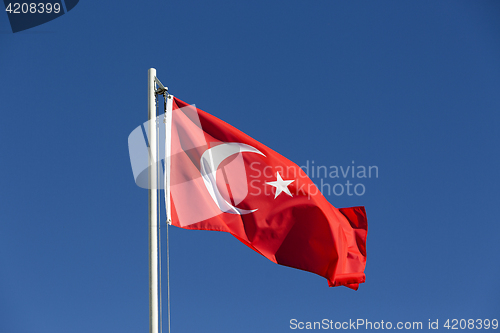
<point>281,185</point>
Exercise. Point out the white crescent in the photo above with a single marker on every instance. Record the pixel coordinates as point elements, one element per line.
<point>209,163</point>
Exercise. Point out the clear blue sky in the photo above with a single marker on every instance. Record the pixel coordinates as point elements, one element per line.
<point>411,87</point>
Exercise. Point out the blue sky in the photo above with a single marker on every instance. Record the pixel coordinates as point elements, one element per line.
<point>410,87</point>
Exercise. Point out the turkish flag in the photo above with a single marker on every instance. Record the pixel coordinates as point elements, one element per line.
<point>222,179</point>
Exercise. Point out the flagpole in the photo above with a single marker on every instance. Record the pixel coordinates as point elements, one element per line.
<point>152,206</point>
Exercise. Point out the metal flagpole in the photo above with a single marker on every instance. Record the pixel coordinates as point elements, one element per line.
<point>152,177</point>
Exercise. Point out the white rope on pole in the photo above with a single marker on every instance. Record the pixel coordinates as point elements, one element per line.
<point>168,282</point>
<point>160,316</point>
<point>168,127</point>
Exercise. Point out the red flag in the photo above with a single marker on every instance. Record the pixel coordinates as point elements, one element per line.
<point>222,179</point>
